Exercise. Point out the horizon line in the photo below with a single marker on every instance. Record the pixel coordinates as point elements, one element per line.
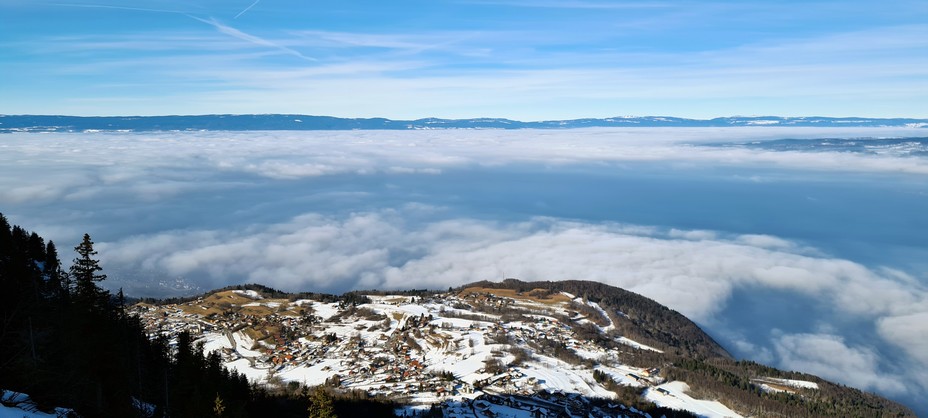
<point>470,118</point>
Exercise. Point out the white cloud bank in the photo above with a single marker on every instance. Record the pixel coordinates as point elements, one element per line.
<point>694,273</point>
<point>48,167</point>
<point>382,250</point>
<point>828,356</point>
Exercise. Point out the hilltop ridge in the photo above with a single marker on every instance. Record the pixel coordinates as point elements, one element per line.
<point>576,346</point>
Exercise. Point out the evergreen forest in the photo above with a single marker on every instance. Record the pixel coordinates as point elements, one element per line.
<point>67,342</point>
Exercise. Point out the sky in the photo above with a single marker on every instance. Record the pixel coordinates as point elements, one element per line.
<point>802,248</point>
<point>520,59</point>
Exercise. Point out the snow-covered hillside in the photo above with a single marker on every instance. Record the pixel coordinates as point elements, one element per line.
<point>20,405</point>
<point>474,350</point>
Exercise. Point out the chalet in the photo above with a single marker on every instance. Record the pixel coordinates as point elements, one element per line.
<point>465,388</point>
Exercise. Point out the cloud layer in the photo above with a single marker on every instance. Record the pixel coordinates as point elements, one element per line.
<point>381,250</point>
<point>693,273</point>
<point>332,211</point>
<point>79,166</point>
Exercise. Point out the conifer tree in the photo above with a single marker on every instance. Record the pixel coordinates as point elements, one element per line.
<point>36,247</point>
<point>84,273</point>
<point>121,304</point>
<point>54,276</point>
<point>218,406</point>
<point>320,404</point>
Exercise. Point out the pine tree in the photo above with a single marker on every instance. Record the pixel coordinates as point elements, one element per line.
<point>218,407</point>
<point>54,280</point>
<point>320,404</point>
<point>84,273</point>
<point>36,247</point>
<point>121,304</point>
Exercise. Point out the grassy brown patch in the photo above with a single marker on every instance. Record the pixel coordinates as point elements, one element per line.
<point>227,297</point>
<point>199,310</point>
<point>259,311</point>
<point>253,334</point>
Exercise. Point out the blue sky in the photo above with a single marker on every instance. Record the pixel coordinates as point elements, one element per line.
<point>530,60</point>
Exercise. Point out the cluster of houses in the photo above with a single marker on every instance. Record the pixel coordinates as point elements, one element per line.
<point>170,321</point>
<point>541,404</point>
<point>390,353</point>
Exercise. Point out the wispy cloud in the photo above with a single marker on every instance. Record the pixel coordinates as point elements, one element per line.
<point>548,59</point>
<point>105,6</point>
<point>571,4</point>
<point>450,42</point>
<point>418,72</point>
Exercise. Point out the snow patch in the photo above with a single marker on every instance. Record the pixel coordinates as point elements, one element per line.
<point>636,344</point>
<point>673,395</point>
<point>251,294</point>
<point>20,405</point>
<point>766,383</point>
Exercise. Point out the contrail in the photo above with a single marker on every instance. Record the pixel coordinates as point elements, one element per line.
<point>246,9</point>
<point>228,30</point>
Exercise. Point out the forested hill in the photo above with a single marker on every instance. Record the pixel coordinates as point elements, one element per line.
<point>634,316</point>
<point>66,342</point>
<point>58,123</point>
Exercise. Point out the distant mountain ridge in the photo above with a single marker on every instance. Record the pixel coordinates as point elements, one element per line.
<point>275,122</point>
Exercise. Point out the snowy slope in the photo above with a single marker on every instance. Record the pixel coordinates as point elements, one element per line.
<point>20,405</point>
<point>453,349</point>
<point>673,395</point>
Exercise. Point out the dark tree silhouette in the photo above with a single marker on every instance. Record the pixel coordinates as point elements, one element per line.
<point>84,272</point>
<point>56,281</point>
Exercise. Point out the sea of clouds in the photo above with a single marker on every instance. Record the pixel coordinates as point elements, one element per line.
<point>218,208</point>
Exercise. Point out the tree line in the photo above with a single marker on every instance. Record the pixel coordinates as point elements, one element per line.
<point>66,341</point>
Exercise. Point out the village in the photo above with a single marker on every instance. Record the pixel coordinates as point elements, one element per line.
<point>470,351</point>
